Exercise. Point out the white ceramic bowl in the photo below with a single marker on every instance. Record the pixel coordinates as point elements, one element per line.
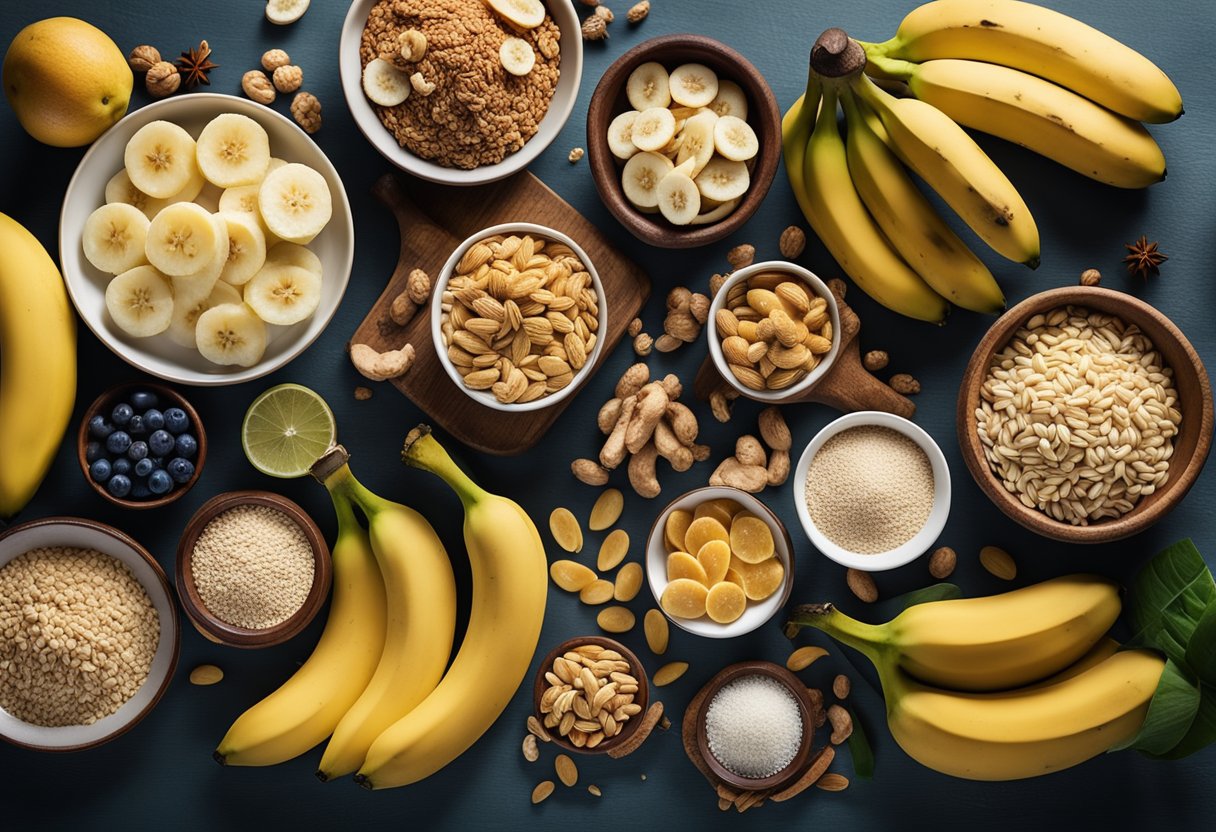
<point>351,68</point>
<point>757,612</point>
<point>158,355</point>
<point>88,534</point>
<point>485,396</point>
<point>715,342</point>
<point>923,539</point>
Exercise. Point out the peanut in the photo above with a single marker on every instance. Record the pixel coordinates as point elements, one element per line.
<point>589,471</point>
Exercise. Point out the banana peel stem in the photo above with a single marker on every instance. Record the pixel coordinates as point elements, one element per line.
<point>422,450</point>
<point>868,639</point>
<point>893,67</point>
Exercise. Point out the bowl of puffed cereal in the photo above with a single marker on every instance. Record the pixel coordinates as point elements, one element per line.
<point>461,92</point>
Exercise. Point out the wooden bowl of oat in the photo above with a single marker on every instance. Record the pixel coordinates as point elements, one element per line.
<point>1139,424</point>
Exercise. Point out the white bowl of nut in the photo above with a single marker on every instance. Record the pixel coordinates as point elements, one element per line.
<point>781,349</point>
<point>516,315</point>
<point>412,68</point>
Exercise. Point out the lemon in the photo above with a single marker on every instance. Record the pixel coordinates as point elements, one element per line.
<point>286,430</point>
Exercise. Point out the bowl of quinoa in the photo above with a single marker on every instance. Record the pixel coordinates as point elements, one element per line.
<point>88,634</point>
<point>480,122</point>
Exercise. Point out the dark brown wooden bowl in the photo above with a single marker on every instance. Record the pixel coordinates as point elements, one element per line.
<point>795,686</point>
<point>1191,445</point>
<point>609,100</point>
<point>169,397</point>
<point>642,697</point>
<point>222,632</point>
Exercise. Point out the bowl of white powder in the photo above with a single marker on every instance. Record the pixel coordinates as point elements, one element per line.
<point>872,491</point>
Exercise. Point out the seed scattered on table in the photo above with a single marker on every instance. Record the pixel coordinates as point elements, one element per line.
<point>542,791</point>
<point>804,657</point>
<point>206,674</point>
<point>998,562</point>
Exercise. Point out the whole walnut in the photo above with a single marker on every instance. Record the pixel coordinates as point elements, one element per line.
<point>143,58</point>
<point>258,87</point>
<point>272,59</point>
<point>162,79</point>
<point>306,110</point>
<point>288,78</point>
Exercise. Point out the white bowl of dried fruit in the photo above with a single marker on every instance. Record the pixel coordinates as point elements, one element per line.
<point>516,316</point>
<point>205,239</point>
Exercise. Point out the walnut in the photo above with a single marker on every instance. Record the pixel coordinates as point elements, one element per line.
<point>257,86</point>
<point>143,58</point>
<point>606,13</point>
<point>643,344</point>
<point>793,241</point>
<point>838,287</point>
<point>905,384</point>
<point>635,326</point>
<point>362,394</point>
<point>288,78</point>
<point>698,305</point>
<point>875,360</point>
<point>740,256</point>
<point>272,59</point>
<point>577,153</point>
<point>638,12</point>
<point>682,325</point>
<point>667,343</point>
<point>678,299</point>
<point>306,110</point>
<point>162,79</point>
<point>1091,277</point>
<point>595,28</point>
<point>421,86</point>
<point>418,286</point>
<point>715,283</point>
<point>413,45</point>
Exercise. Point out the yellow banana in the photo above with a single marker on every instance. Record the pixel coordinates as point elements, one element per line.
<point>1043,42</point>
<point>510,584</point>
<point>911,223</point>
<point>1039,115</point>
<point>421,621</point>
<point>796,127</point>
<point>941,153</point>
<point>37,364</point>
<point>984,644</point>
<point>307,707</point>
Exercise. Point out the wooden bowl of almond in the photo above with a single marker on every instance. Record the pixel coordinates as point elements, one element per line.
<point>604,721</point>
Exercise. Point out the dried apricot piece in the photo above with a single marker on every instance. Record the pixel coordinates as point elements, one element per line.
<point>684,565</point>
<point>571,575</point>
<point>613,550</point>
<point>701,531</point>
<point>628,582</point>
<point>607,509</point>
<point>566,530</point>
<point>684,598</point>
<point>733,575</point>
<point>654,624</point>
<point>751,540</point>
<point>760,580</point>
<point>615,619</point>
<point>598,591</point>
<point>721,510</point>
<point>725,602</point>
<point>675,529</point>
<point>714,557</point>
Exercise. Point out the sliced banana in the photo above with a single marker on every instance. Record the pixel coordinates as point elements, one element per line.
<point>679,199</point>
<point>209,197</point>
<point>384,84</point>
<point>231,333</point>
<point>735,139</point>
<point>181,239</point>
<point>290,254</point>
<point>526,14</point>
<point>283,295</point>
<point>246,248</point>
<point>185,314</point>
<point>140,302</point>
<point>198,284</point>
<point>620,135</point>
<point>295,203</point>
<point>516,56</point>
<point>233,150</point>
<point>160,159</point>
<point>653,128</point>
<point>120,188</point>
<point>641,176</point>
<point>647,86</point>
<point>693,85</point>
<point>723,180</point>
<point>114,237</point>
<point>717,212</point>
<point>697,141</point>
<point>283,12</point>
<point>672,149</point>
<point>275,164</point>
<point>730,100</point>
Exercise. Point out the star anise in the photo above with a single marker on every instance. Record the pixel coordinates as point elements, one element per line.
<point>1145,259</point>
<point>195,65</point>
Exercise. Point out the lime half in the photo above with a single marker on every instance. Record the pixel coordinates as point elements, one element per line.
<point>286,430</point>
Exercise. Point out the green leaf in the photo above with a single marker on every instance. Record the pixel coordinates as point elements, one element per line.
<point>859,749</point>
<point>1170,713</point>
<point>1201,649</point>
<point>935,592</point>
<point>1203,729</point>
<point>1168,598</point>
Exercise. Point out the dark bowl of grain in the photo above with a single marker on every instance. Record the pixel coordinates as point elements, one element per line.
<point>253,569</point>
<point>1085,414</point>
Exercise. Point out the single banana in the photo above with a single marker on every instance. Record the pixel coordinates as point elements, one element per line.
<point>421,622</point>
<point>941,153</point>
<point>911,223</point>
<point>510,584</point>
<point>1039,115</point>
<point>1043,42</point>
<point>983,644</point>
<point>837,215</point>
<point>308,706</point>
<point>796,127</point>
<point>37,364</point>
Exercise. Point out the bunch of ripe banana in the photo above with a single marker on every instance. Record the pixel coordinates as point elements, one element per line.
<point>1004,687</point>
<point>375,683</point>
<point>1019,71</point>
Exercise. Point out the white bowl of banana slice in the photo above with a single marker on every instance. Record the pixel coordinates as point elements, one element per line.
<point>206,239</point>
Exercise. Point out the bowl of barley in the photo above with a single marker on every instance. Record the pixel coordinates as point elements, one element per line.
<point>1085,414</point>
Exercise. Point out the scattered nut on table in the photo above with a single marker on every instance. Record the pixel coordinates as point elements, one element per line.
<point>288,78</point>
<point>362,394</point>
<point>258,87</point>
<point>875,360</point>
<point>306,110</point>
<point>576,154</point>
<point>418,286</point>
<point>905,384</point>
<point>272,59</point>
<point>638,12</point>
<point>595,28</point>
<point>381,366</point>
<point>1091,277</point>
<point>792,243</point>
<point>162,79</point>
<point>741,256</point>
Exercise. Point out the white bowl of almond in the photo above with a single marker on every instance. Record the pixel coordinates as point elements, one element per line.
<point>517,316</point>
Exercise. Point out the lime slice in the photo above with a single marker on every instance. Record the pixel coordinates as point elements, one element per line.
<point>286,430</point>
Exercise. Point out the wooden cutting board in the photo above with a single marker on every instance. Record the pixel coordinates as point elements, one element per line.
<point>433,221</point>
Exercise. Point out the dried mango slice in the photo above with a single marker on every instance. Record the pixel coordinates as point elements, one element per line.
<point>725,602</point>
<point>714,557</point>
<point>613,550</point>
<point>684,598</point>
<point>628,582</point>
<point>721,510</point>
<point>571,575</point>
<point>751,540</point>
<point>684,565</point>
<point>597,592</point>
<point>703,530</point>
<point>733,576</point>
<point>675,529</point>
<point>760,580</point>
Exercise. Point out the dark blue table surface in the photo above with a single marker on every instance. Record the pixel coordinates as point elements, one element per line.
<point>161,775</point>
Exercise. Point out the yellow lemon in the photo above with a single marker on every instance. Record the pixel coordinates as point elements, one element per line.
<point>66,81</point>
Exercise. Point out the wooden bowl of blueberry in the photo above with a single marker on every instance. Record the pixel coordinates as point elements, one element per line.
<point>141,445</point>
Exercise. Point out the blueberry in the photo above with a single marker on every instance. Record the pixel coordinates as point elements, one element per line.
<point>186,446</point>
<point>136,426</point>
<point>121,414</point>
<point>176,420</point>
<point>122,465</point>
<point>138,450</point>
<point>99,428</point>
<point>119,486</point>
<point>159,482</point>
<point>144,467</point>
<point>139,491</point>
<point>160,443</point>
<point>118,442</point>
<point>92,452</point>
<point>100,470</point>
<point>154,419</point>
<point>180,469</point>
<point>144,400</point>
